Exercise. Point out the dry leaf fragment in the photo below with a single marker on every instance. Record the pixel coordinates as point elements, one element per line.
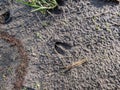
<point>75,64</point>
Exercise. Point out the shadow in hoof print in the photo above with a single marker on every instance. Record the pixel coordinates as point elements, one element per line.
<point>114,1</point>
<point>27,88</point>
<point>61,47</point>
<point>61,2</point>
<point>101,3</point>
<point>5,18</point>
<point>5,14</point>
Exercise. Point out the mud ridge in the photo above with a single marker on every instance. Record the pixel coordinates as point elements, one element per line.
<point>21,69</point>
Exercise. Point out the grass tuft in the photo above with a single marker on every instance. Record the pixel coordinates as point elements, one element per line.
<point>40,5</point>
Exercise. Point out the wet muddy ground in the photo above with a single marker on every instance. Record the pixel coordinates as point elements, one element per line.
<point>80,29</point>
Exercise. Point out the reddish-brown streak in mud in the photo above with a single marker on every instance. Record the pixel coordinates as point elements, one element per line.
<point>21,69</point>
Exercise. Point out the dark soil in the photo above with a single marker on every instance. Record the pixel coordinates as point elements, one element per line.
<point>83,29</point>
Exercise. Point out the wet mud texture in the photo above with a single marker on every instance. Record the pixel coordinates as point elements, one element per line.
<point>85,29</point>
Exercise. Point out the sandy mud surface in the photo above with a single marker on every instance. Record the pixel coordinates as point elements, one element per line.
<point>35,48</point>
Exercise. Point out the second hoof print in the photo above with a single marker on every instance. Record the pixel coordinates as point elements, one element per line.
<point>5,17</point>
